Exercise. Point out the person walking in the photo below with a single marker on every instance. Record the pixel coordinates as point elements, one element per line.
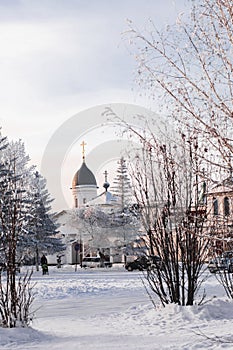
<point>44,265</point>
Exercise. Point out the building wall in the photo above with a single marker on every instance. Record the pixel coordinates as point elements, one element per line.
<point>220,218</point>
<point>83,195</point>
<point>217,200</point>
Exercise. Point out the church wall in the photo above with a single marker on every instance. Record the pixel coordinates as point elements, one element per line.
<point>83,195</point>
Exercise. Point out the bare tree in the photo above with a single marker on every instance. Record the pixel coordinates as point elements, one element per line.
<point>188,66</point>
<point>167,184</point>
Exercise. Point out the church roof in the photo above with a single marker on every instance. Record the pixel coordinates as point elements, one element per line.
<point>104,198</point>
<point>84,176</point>
<point>223,186</point>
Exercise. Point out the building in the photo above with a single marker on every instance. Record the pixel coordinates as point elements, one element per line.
<point>219,212</point>
<point>96,223</point>
<point>84,186</point>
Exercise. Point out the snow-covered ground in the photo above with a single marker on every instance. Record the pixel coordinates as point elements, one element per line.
<point>110,309</point>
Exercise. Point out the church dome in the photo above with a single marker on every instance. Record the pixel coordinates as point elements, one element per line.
<point>83,177</point>
<point>106,185</point>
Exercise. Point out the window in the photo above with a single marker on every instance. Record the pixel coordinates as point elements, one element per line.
<point>84,200</point>
<point>215,204</point>
<point>226,206</point>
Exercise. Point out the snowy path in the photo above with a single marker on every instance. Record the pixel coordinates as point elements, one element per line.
<point>110,310</point>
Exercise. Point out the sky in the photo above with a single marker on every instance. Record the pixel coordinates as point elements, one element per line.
<point>61,58</point>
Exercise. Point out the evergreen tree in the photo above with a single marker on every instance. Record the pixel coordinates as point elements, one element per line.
<point>15,298</point>
<point>121,185</point>
<point>25,223</point>
<point>15,201</point>
<point>43,233</point>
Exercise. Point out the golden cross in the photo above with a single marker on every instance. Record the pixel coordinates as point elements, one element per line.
<point>83,144</point>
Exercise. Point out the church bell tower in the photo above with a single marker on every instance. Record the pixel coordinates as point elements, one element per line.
<point>84,186</point>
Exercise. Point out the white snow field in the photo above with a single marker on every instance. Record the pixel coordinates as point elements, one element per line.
<point>109,309</point>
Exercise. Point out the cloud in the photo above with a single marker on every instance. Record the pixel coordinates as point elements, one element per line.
<point>59,57</point>
<point>59,47</point>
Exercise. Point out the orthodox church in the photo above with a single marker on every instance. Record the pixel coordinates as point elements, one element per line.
<point>79,227</point>
<point>84,235</point>
<point>84,187</point>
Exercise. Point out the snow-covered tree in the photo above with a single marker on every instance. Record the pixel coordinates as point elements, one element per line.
<point>93,226</point>
<point>42,236</point>
<point>100,228</point>
<point>25,225</point>
<point>187,67</point>
<point>121,185</point>
<point>15,297</point>
<point>167,180</point>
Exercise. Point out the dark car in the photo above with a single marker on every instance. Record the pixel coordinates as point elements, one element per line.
<point>141,263</point>
<point>144,263</point>
<point>222,263</point>
<point>156,262</point>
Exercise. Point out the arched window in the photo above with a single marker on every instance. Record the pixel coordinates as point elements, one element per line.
<point>226,206</point>
<point>215,205</point>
